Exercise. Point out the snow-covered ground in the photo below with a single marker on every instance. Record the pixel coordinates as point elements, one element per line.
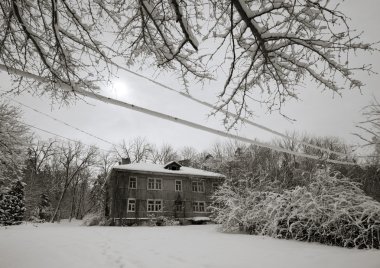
<point>197,246</point>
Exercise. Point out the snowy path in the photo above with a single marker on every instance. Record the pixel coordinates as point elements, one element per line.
<point>61,245</point>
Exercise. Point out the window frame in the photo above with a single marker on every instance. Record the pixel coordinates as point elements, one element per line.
<point>129,183</point>
<point>155,180</point>
<point>134,204</point>
<point>179,207</point>
<point>155,204</point>
<point>197,207</point>
<point>180,186</point>
<point>198,188</point>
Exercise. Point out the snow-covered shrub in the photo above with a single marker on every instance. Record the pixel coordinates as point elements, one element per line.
<point>151,220</point>
<point>35,219</point>
<point>166,221</point>
<point>12,204</point>
<point>93,220</point>
<point>331,210</point>
<point>154,220</point>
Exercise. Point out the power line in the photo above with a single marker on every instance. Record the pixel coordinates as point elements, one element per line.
<point>63,137</point>
<point>63,122</point>
<point>200,127</point>
<point>109,100</point>
<point>87,133</point>
<point>209,105</point>
<point>249,122</point>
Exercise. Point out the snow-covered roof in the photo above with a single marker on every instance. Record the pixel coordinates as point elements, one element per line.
<point>155,168</point>
<point>172,163</point>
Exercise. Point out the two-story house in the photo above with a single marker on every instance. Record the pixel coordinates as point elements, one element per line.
<point>141,190</point>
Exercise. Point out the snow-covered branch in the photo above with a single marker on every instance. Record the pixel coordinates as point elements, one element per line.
<point>266,48</point>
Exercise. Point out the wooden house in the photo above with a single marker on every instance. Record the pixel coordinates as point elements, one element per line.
<point>142,190</point>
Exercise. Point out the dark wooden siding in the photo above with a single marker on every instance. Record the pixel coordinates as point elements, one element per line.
<point>120,192</point>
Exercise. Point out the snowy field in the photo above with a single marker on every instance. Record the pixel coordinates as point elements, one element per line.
<point>71,245</point>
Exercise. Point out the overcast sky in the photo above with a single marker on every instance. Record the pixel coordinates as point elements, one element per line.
<point>317,113</point>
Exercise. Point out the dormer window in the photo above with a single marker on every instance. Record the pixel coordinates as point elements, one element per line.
<point>172,166</point>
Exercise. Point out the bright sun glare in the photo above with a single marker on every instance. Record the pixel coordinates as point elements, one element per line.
<point>120,88</point>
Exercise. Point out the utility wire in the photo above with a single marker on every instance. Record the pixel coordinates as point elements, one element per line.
<point>209,105</point>
<point>109,100</point>
<point>63,137</point>
<point>200,127</point>
<point>63,122</point>
<point>249,122</point>
<point>90,134</point>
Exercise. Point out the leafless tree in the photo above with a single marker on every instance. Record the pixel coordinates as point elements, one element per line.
<point>36,172</point>
<point>79,190</point>
<point>39,154</point>
<point>330,143</point>
<point>137,150</point>
<point>188,153</point>
<point>226,149</point>
<point>274,45</point>
<point>106,161</point>
<point>73,159</point>
<point>267,47</point>
<point>56,40</point>
<point>14,139</point>
<point>369,129</point>
<point>163,154</point>
<point>290,144</point>
<point>98,194</point>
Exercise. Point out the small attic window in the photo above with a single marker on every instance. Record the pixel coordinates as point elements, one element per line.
<point>172,166</point>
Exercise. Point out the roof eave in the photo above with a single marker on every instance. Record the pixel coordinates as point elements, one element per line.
<point>220,176</point>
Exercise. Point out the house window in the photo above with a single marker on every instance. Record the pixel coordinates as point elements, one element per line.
<point>178,207</point>
<point>199,206</point>
<point>154,184</point>
<point>131,205</point>
<point>198,186</point>
<point>178,185</point>
<point>215,186</point>
<point>194,186</point>
<point>132,182</point>
<point>173,168</point>
<point>154,205</point>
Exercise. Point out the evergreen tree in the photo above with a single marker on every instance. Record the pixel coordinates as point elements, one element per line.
<point>43,207</point>
<point>12,204</point>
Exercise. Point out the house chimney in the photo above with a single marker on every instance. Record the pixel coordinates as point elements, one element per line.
<point>125,161</point>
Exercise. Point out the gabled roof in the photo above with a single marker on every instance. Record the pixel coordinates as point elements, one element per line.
<point>160,169</point>
<point>172,163</point>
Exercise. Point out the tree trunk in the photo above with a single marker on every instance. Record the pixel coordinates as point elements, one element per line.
<point>59,204</point>
<point>73,204</point>
<point>79,215</point>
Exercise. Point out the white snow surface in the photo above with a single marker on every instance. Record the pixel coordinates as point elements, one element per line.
<point>64,245</point>
<point>149,167</point>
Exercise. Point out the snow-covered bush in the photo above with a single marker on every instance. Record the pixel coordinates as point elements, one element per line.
<point>331,210</point>
<point>154,220</point>
<point>12,204</point>
<point>93,219</point>
<point>166,221</point>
